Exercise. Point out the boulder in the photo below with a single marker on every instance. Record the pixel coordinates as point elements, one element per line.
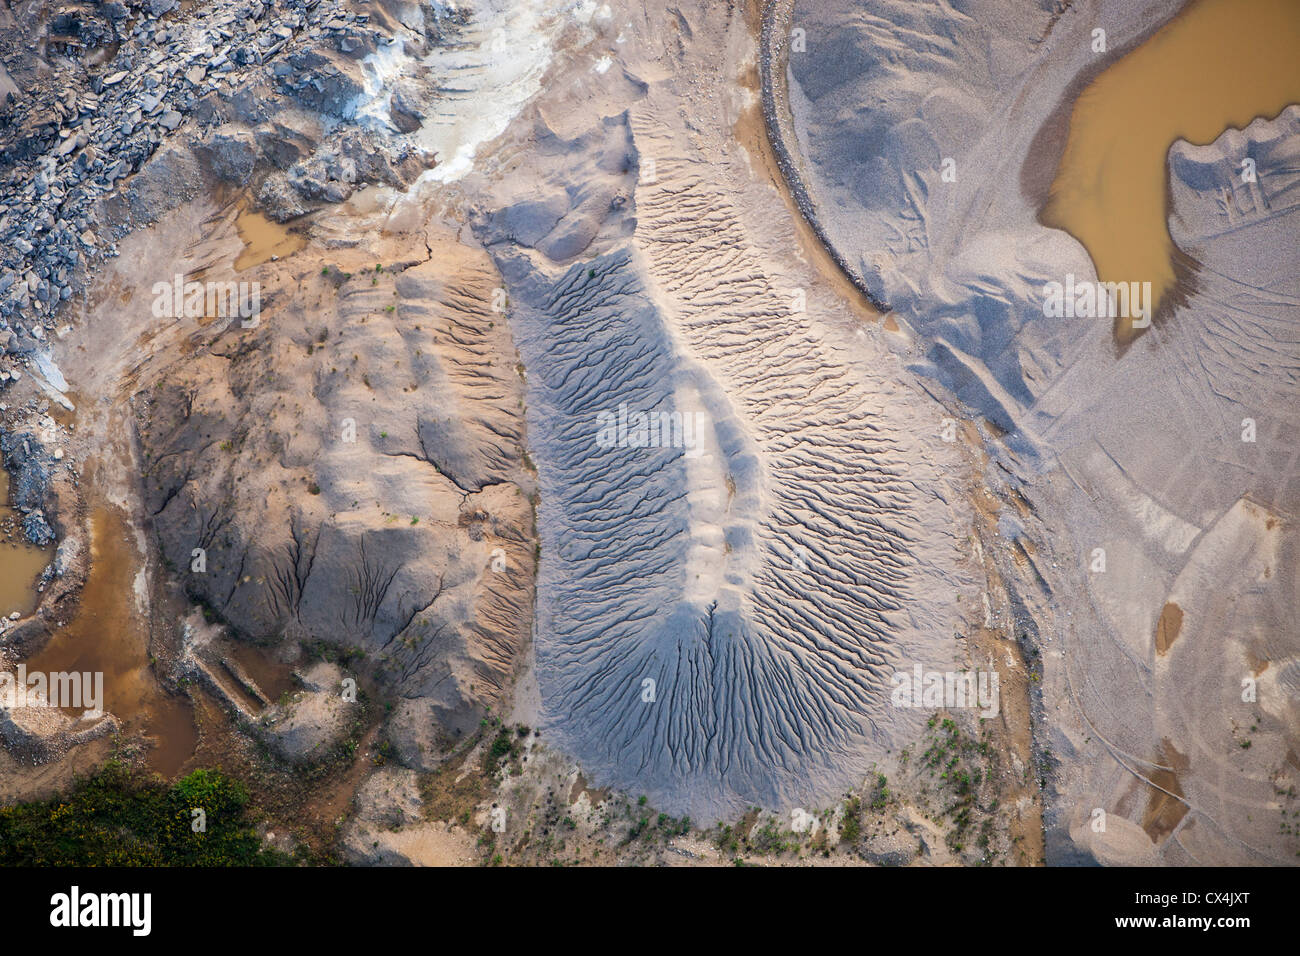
<point>229,153</point>
<point>278,199</point>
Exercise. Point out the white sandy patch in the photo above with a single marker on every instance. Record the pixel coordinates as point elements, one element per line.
<point>379,70</point>
<point>51,380</point>
<point>489,79</point>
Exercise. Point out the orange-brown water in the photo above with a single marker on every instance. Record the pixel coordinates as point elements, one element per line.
<point>20,563</point>
<point>1218,64</point>
<point>109,636</point>
<point>274,679</point>
<point>263,239</point>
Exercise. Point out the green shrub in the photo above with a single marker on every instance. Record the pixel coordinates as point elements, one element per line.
<point>116,819</point>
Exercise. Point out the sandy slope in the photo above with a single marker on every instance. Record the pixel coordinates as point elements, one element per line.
<point>1140,452</point>
<point>771,579</point>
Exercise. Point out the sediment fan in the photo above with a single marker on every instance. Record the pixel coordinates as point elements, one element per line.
<point>718,625</point>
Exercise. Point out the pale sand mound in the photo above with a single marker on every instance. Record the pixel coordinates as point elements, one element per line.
<point>389,828</point>
<point>718,620</point>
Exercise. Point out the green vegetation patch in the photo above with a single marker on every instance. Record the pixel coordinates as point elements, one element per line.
<point>115,818</point>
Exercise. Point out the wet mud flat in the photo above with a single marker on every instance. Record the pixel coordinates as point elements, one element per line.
<point>110,635</point>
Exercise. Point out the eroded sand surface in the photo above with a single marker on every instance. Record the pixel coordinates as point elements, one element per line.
<point>718,623</point>
<point>1159,476</point>
<point>489,241</point>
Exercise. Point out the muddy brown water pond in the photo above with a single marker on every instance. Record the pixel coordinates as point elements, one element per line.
<point>1165,808</point>
<point>109,635</point>
<point>273,678</point>
<point>263,239</point>
<point>1218,64</point>
<point>20,563</point>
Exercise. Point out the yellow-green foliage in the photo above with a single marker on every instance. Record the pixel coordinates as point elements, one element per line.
<point>115,819</point>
